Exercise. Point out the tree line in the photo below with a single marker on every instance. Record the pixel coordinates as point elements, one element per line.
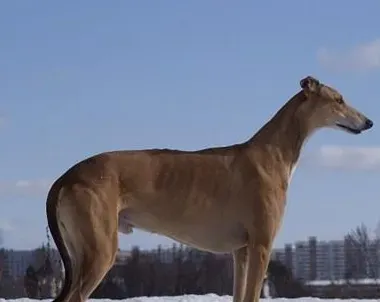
<point>161,272</point>
<point>180,270</point>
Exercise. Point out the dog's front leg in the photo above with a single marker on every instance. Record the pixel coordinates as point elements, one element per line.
<point>258,260</point>
<point>240,274</point>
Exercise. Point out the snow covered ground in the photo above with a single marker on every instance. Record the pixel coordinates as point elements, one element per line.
<point>205,298</point>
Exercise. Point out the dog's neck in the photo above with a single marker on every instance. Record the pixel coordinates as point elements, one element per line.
<point>284,135</point>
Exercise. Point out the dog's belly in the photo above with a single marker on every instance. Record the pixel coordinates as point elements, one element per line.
<point>218,236</point>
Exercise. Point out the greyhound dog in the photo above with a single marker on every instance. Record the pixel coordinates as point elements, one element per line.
<point>228,199</point>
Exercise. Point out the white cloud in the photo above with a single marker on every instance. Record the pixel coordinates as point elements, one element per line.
<point>5,225</point>
<point>341,157</point>
<point>362,57</point>
<point>28,188</point>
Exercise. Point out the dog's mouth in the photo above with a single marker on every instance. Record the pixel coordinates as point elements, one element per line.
<point>348,129</point>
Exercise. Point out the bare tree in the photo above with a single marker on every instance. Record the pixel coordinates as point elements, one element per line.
<point>362,257</point>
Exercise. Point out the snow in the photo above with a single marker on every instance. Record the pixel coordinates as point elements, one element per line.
<point>196,298</point>
<point>366,281</point>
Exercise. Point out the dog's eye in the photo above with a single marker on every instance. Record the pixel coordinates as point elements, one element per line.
<point>340,101</point>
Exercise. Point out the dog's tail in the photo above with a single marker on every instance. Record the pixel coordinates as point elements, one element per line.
<point>51,212</point>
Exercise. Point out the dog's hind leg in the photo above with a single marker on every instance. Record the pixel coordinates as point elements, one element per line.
<point>94,267</point>
<point>89,228</point>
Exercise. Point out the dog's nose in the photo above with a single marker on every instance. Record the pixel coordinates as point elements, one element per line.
<point>368,124</point>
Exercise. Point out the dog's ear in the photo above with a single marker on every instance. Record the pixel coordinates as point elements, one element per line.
<point>310,84</point>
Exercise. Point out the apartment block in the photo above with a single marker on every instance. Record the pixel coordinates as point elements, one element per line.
<point>338,260</point>
<point>16,262</point>
<point>311,259</point>
<point>122,257</point>
<point>302,267</point>
<point>13,263</point>
<point>323,261</point>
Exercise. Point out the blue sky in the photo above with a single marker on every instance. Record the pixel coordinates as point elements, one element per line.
<point>78,78</point>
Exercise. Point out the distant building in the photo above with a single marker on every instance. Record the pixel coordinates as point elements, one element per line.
<point>324,261</point>
<point>329,260</point>
<point>338,260</point>
<point>289,259</point>
<point>122,257</point>
<point>302,267</point>
<point>278,255</point>
<point>16,262</point>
